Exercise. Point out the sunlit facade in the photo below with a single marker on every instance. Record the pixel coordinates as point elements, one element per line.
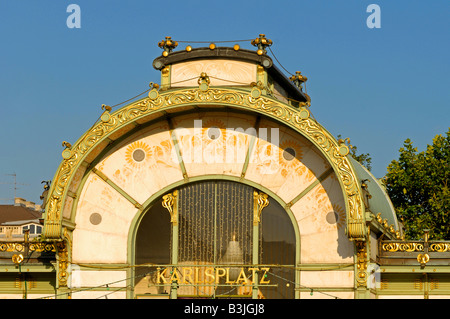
<point>219,183</point>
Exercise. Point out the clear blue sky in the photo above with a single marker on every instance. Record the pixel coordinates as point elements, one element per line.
<point>376,86</point>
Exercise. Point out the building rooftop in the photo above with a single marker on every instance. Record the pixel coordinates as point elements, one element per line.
<point>17,212</point>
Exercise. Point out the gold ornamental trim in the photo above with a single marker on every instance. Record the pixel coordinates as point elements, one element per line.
<point>260,201</point>
<point>20,247</point>
<point>361,264</point>
<point>238,98</point>
<point>409,247</point>
<point>170,203</point>
<point>402,247</point>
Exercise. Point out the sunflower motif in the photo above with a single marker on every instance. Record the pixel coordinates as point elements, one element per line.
<point>213,140</point>
<point>290,150</point>
<point>336,216</point>
<point>290,153</point>
<point>214,129</point>
<point>137,153</point>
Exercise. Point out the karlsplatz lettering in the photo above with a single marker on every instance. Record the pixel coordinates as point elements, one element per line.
<point>193,309</point>
<point>211,275</point>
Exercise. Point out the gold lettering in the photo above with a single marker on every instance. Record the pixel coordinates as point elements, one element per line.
<point>210,275</point>
<point>197,281</point>
<point>187,273</point>
<point>242,277</point>
<point>254,270</point>
<point>175,276</point>
<point>228,277</point>
<point>193,275</point>
<point>264,275</point>
<point>160,275</point>
<point>219,275</point>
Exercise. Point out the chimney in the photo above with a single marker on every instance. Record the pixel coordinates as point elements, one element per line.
<point>19,202</point>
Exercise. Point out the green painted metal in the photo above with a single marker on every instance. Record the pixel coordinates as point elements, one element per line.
<point>251,145</point>
<point>116,187</point>
<point>177,148</point>
<point>310,187</point>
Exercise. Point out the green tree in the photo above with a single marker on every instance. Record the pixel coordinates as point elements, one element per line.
<point>418,185</point>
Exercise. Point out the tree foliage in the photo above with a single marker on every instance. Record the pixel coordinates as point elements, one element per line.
<point>418,185</point>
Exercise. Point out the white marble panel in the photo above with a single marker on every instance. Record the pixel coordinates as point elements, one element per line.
<point>221,72</point>
<point>216,143</point>
<point>102,222</point>
<point>144,163</point>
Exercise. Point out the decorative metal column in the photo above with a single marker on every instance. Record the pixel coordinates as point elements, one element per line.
<point>260,201</point>
<point>170,202</point>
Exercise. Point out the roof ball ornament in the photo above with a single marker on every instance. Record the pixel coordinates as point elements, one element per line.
<point>167,45</point>
<point>262,43</point>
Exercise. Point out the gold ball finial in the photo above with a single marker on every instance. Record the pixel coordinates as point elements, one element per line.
<point>188,48</point>
<point>167,45</point>
<point>262,43</point>
<point>212,46</point>
<point>236,47</point>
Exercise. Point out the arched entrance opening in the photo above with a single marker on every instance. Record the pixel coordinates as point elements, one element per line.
<point>215,239</point>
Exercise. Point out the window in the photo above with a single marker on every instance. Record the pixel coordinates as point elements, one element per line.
<point>215,244</point>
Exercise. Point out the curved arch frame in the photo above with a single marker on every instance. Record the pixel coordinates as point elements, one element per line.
<point>154,198</point>
<point>296,119</point>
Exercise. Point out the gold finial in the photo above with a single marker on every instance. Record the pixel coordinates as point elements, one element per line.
<point>188,48</point>
<point>167,45</point>
<point>236,47</point>
<point>344,149</point>
<point>298,79</point>
<point>66,154</point>
<point>203,81</point>
<point>262,43</point>
<point>106,107</point>
<point>66,144</point>
<point>212,46</point>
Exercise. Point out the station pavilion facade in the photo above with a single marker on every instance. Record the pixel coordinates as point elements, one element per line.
<point>218,184</point>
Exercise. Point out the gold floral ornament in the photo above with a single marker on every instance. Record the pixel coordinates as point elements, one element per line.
<point>17,258</point>
<point>423,259</point>
<point>361,263</point>
<point>260,201</point>
<point>170,203</point>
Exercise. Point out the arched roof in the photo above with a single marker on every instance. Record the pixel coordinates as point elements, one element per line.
<point>379,203</point>
<point>164,100</point>
<point>113,125</point>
